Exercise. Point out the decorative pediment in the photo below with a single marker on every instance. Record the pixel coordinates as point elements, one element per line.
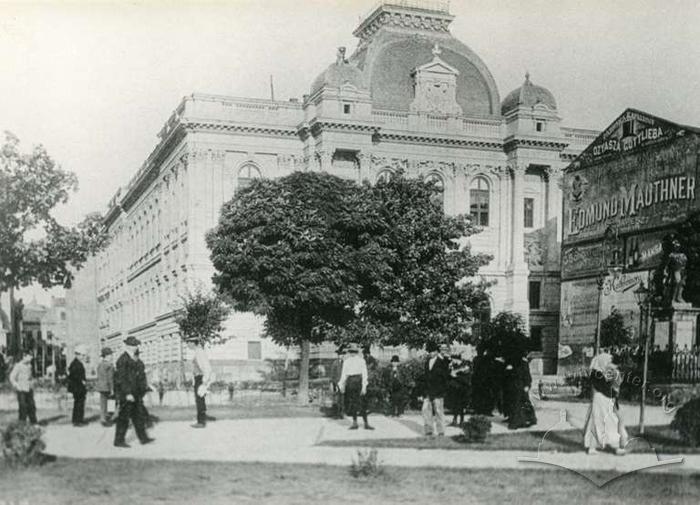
<point>436,87</point>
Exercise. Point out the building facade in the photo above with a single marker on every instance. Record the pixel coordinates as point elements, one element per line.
<point>411,97</point>
<point>624,198</point>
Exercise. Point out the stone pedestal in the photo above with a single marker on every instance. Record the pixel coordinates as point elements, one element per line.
<point>677,325</point>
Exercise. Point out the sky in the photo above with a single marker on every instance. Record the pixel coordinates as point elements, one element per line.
<point>94,82</point>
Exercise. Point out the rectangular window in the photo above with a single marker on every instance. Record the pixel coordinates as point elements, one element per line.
<point>479,206</point>
<point>539,126</point>
<point>529,212</point>
<point>627,128</point>
<point>346,108</point>
<point>536,338</point>
<point>533,294</point>
<point>254,350</point>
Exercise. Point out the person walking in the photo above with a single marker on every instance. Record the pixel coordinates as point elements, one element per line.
<point>353,384</point>
<point>436,379</point>
<point>202,378</point>
<point>396,382</point>
<point>22,381</point>
<point>128,389</point>
<point>336,370</point>
<point>77,385</point>
<point>459,389</point>
<point>604,427</point>
<point>105,383</point>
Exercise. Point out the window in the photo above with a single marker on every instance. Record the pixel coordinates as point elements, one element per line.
<point>529,212</point>
<point>479,201</point>
<point>533,294</point>
<point>539,126</point>
<point>437,198</point>
<point>536,338</point>
<point>254,350</point>
<point>385,176</point>
<point>481,317</point>
<point>246,174</point>
<point>627,128</point>
<point>346,108</point>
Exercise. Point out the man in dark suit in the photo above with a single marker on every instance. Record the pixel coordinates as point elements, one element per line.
<point>128,386</point>
<point>436,380</point>
<point>77,385</point>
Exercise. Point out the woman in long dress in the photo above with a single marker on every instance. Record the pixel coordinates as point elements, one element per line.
<point>604,427</point>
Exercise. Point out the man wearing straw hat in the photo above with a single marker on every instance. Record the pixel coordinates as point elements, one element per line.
<point>353,384</point>
<point>105,382</point>
<point>77,385</point>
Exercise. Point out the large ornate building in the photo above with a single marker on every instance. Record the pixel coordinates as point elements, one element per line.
<point>410,97</point>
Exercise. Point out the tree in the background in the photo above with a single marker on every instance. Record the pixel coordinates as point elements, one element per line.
<point>34,247</point>
<point>297,250</point>
<point>201,317</point>
<point>613,331</point>
<point>427,287</point>
<point>505,336</point>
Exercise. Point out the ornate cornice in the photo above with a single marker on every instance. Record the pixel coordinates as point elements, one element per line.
<point>317,126</point>
<point>410,17</point>
<point>512,143</point>
<point>410,138</point>
<point>267,130</point>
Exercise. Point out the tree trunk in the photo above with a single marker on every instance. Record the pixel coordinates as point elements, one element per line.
<point>303,396</point>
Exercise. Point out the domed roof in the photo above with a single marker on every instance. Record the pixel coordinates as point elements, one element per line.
<point>339,73</point>
<point>389,67</point>
<point>528,95</point>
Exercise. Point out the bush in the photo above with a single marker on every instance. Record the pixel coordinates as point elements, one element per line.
<point>477,428</point>
<point>22,444</point>
<point>687,422</point>
<point>366,465</point>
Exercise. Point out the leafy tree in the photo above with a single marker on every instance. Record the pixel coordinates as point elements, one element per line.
<point>202,317</point>
<point>295,250</point>
<point>424,290</point>
<point>34,247</point>
<point>505,336</point>
<point>613,331</point>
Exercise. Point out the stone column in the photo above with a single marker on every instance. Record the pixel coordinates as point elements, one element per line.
<point>519,300</point>
<point>364,161</point>
<point>518,239</point>
<point>554,198</point>
<point>325,157</point>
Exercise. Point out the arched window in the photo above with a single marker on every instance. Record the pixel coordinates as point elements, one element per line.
<point>439,197</point>
<point>246,174</point>
<point>384,176</point>
<point>479,201</point>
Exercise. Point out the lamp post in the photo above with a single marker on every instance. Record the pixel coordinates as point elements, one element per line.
<point>643,298</point>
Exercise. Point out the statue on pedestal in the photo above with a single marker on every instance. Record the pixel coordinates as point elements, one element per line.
<point>676,273</point>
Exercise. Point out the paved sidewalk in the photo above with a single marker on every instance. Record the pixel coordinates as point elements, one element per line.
<point>294,440</point>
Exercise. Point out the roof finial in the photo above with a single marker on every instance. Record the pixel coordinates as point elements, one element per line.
<point>340,59</point>
<point>527,77</point>
<point>436,50</point>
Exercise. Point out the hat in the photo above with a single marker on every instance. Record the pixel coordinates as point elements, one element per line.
<point>394,359</point>
<point>80,349</point>
<point>352,348</point>
<point>106,351</point>
<point>133,341</point>
<point>431,346</point>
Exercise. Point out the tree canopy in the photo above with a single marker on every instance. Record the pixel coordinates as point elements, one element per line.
<point>202,316</point>
<point>34,247</point>
<point>613,331</point>
<point>326,259</point>
<point>505,336</point>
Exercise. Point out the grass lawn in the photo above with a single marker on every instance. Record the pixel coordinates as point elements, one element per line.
<point>106,482</point>
<point>656,438</point>
<point>234,411</point>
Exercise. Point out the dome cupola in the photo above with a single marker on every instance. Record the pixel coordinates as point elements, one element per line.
<point>528,95</point>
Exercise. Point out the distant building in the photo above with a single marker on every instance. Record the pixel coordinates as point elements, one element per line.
<point>82,312</point>
<point>411,97</point>
<point>624,196</point>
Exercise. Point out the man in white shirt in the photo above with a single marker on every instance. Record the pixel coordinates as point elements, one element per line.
<point>201,369</point>
<point>353,384</point>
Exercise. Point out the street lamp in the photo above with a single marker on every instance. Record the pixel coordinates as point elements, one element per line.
<point>642,295</point>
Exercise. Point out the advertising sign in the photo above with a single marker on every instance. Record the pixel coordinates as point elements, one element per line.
<point>644,252</point>
<point>628,185</point>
